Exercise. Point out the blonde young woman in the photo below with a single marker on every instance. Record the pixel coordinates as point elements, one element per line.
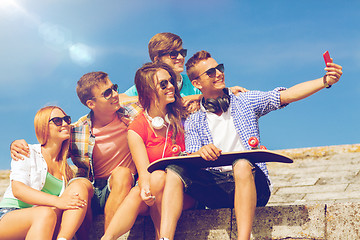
<point>154,134</point>
<point>37,205</point>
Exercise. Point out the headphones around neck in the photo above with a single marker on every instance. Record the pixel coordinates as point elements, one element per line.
<point>157,122</point>
<point>221,103</point>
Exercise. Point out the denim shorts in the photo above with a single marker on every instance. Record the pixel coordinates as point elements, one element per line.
<point>5,210</point>
<point>101,194</point>
<point>216,189</point>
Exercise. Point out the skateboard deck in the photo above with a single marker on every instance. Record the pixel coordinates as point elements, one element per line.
<point>225,159</point>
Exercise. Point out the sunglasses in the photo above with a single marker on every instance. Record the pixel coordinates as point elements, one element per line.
<point>174,54</point>
<point>165,83</point>
<point>108,93</point>
<point>212,71</point>
<point>58,121</point>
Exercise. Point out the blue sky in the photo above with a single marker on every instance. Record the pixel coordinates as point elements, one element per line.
<point>47,45</point>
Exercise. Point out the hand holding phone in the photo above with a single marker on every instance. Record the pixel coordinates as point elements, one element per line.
<point>327,57</point>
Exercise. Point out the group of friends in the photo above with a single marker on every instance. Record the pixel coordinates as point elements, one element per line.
<point>166,113</point>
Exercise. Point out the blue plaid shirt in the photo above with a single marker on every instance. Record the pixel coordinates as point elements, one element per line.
<point>246,109</point>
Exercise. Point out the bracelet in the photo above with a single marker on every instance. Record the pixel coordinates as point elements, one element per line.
<point>325,82</point>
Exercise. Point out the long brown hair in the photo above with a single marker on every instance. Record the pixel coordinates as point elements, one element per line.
<point>144,81</point>
<point>41,124</point>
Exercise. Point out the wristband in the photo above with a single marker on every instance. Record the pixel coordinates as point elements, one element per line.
<point>325,82</point>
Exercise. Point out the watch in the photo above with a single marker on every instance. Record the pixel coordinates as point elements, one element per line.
<point>327,85</point>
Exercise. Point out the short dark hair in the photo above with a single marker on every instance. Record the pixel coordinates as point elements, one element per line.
<point>87,82</point>
<point>195,59</point>
<point>162,43</point>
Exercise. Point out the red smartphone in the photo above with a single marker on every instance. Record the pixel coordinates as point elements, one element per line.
<point>327,57</point>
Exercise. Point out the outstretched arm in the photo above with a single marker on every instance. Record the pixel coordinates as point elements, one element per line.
<point>305,89</point>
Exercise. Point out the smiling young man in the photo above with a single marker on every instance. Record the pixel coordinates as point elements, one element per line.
<point>224,123</point>
<point>98,145</point>
<point>168,48</point>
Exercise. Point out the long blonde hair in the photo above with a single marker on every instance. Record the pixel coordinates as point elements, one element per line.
<point>41,124</point>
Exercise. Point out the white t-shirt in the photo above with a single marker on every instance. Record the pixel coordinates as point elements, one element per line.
<point>224,133</point>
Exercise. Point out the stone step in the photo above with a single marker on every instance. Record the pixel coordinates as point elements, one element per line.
<point>316,197</point>
<point>319,221</point>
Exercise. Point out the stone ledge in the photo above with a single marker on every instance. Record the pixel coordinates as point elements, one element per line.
<point>322,221</point>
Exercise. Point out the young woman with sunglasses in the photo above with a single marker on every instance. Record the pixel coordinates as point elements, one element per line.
<point>156,133</point>
<point>37,205</point>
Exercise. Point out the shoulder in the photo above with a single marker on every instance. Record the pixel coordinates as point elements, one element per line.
<point>36,148</point>
<point>141,127</point>
<point>185,78</point>
<point>131,91</point>
<point>188,88</point>
<point>137,122</point>
<point>130,108</point>
<point>195,117</point>
<point>84,120</point>
<point>35,156</point>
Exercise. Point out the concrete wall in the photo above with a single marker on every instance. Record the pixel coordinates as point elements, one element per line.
<point>322,221</point>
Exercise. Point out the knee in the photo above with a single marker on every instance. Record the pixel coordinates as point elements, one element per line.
<point>173,178</point>
<point>82,186</point>
<point>243,170</point>
<point>121,178</point>
<point>134,194</point>
<point>47,216</point>
<point>157,182</point>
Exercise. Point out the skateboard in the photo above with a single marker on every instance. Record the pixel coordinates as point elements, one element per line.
<point>254,156</point>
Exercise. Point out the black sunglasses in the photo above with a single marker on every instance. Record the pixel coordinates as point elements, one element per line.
<point>174,54</point>
<point>58,120</point>
<point>212,71</point>
<point>165,83</point>
<point>108,93</point>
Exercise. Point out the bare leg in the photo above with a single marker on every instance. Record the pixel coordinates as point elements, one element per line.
<point>120,184</point>
<point>245,198</point>
<point>172,205</point>
<point>29,223</point>
<point>157,184</point>
<point>126,215</point>
<point>73,218</point>
<point>83,231</point>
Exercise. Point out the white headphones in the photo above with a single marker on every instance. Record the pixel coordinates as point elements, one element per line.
<point>157,122</point>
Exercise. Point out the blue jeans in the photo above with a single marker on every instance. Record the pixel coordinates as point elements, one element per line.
<point>216,189</point>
